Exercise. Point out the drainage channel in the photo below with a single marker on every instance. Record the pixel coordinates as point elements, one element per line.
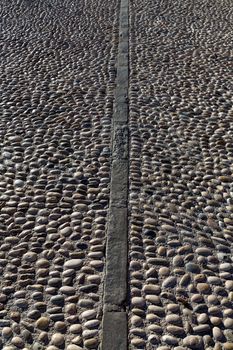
<point>115,293</point>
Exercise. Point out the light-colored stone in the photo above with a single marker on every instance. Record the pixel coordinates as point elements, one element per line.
<point>193,341</point>
<point>138,302</point>
<point>203,288</point>
<point>57,339</point>
<point>75,264</point>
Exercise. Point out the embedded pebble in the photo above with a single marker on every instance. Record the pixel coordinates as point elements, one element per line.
<point>170,340</point>
<point>136,320</point>
<point>191,267</point>
<point>192,341</point>
<point>154,299</point>
<point>174,319</point>
<point>228,346</point>
<point>138,302</point>
<point>164,271</point>
<point>170,282</point>
<point>175,330</point>
<point>42,323</point>
<point>217,333</point>
<point>216,321</point>
<point>202,318</point>
<point>7,332</point>
<point>74,347</point>
<point>90,343</point>
<point>75,264</point>
<point>138,342</point>
<point>88,314</point>
<point>57,339</point>
<point>18,342</point>
<point>75,329</point>
<point>203,288</point>
<point>228,323</point>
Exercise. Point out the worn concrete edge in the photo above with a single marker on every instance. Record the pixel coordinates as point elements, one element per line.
<point>114,325</point>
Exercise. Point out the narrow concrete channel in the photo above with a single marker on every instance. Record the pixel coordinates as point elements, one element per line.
<point>115,293</point>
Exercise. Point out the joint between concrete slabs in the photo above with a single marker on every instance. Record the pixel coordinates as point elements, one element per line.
<point>114,308</point>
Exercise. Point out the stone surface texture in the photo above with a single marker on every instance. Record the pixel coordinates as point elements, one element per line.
<point>59,62</point>
<point>180,192</point>
<point>57,90</point>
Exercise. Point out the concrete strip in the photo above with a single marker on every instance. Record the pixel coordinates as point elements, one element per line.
<point>116,260</point>
<point>115,289</point>
<point>120,185</point>
<point>120,142</point>
<point>115,329</point>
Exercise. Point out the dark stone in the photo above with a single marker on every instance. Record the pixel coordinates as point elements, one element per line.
<point>201,308</point>
<point>90,288</point>
<point>57,317</point>
<point>192,267</point>
<point>57,300</point>
<point>150,233</point>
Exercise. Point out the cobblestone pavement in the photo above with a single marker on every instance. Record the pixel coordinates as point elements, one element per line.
<point>181,194</point>
<point>58,79</point>
<point>57,88</point>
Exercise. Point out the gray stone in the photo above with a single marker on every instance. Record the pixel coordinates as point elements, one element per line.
<point>192,267</point>
<point>170,340</point>
<point>169,282</point>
